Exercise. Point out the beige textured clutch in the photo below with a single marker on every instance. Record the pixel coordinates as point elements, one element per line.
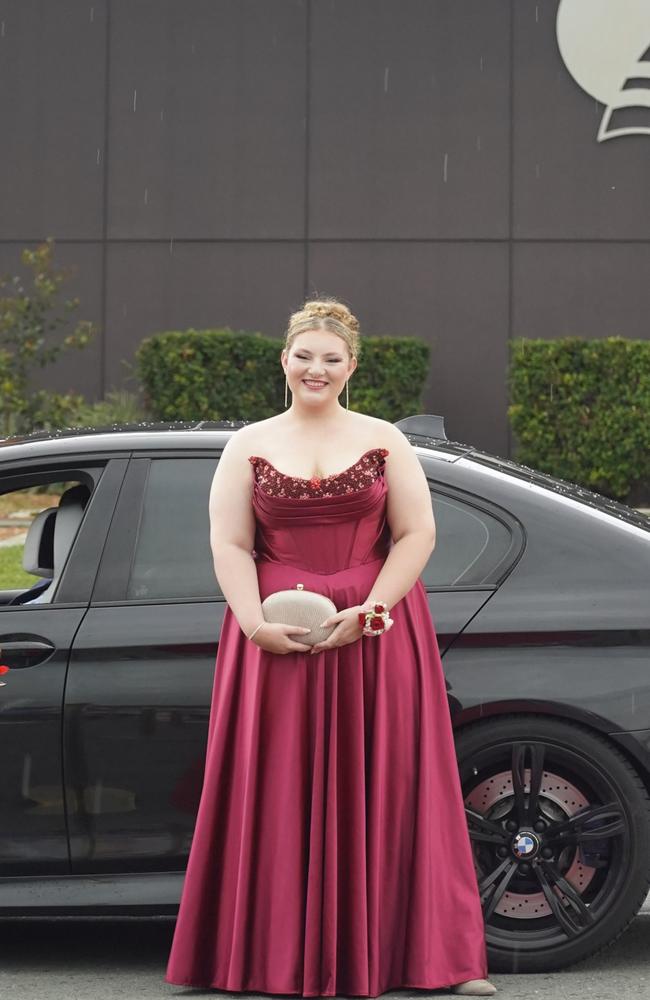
<point>301,607</point>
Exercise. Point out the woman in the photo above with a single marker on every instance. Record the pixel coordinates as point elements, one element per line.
<point>330,853</point>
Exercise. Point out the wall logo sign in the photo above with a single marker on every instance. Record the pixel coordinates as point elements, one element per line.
<point>605,45</point>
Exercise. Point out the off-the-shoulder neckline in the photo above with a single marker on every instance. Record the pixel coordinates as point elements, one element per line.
<point>321,479</point>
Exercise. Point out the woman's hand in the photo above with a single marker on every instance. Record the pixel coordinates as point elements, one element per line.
<point>347,630</point>
<point>275,637</point>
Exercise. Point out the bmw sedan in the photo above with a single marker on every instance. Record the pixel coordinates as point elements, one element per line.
<point>110,615</point>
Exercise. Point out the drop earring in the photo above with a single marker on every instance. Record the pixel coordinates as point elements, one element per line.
<point>286,386</point>
<point>347,397</point>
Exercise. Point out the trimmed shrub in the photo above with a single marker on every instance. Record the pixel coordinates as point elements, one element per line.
<point>227,374</point>
<point>580,410</point>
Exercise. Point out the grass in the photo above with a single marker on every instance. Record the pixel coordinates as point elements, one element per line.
<point>12,574</point>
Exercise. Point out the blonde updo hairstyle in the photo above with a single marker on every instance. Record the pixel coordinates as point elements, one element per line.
<point>325,314</point>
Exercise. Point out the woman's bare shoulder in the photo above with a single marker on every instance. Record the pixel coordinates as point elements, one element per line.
<point>256,437</point>
<point>252,438</point>
<point>380,431</point>
<point>377,423</point>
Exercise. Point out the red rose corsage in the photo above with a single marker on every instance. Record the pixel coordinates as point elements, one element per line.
<point>376,619</point>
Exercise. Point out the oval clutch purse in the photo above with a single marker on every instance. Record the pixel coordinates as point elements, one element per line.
<point>301,607</point>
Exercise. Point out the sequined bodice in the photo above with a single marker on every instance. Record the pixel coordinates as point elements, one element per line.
<point>356,477</point>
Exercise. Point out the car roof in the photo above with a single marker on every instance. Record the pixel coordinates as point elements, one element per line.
<point>560,489</point>
<point>164,435</point>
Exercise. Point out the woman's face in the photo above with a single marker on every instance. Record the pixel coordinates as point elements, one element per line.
<point>321,356</point>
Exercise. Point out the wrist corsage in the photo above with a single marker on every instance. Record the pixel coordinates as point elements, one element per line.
<point>376,620</point>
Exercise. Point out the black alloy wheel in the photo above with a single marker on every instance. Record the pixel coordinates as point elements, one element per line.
<point>559,822</point>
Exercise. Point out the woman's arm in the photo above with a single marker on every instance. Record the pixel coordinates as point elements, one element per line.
<point>410,517</point>
<point>232,533</point>
<point>235,570</point>
<point>404,563</point>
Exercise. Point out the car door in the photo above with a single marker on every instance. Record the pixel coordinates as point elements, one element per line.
<point>53,521</point>
<point>139,688</point>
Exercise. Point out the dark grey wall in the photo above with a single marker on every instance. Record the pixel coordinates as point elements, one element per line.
<point>212,162</point>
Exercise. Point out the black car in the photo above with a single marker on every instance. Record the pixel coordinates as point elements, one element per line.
<point>540,594</point>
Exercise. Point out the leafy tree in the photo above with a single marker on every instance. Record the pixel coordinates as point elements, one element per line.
<point>29,319</point>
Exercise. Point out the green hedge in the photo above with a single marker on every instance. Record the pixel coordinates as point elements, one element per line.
<point>236,375</point>
<point>580,410</point>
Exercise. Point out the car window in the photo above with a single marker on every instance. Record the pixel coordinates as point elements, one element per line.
<point>172,557</point>
<point>471,545</point>
<point>29,573</point>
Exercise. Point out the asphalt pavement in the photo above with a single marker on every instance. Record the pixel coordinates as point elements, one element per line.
<point>125,959</point>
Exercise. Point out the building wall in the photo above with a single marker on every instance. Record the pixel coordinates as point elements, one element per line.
<point>213,162</point>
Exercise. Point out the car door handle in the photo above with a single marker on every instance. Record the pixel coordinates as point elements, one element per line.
<point>16,654</point>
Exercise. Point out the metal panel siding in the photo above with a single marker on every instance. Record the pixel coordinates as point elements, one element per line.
<point>212,162</point>
<point>53,85</point>
<point>567,185</point>
<point>207,110</point>
<point>409,119</point>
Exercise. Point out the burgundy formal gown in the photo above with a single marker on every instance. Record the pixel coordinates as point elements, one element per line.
<point>330,853</point>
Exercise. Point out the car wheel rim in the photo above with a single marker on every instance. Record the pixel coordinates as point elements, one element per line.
<point>551,842</point>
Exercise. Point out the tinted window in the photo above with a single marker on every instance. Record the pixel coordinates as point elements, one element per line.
<point>173,558</point>
<point>472,546</point>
